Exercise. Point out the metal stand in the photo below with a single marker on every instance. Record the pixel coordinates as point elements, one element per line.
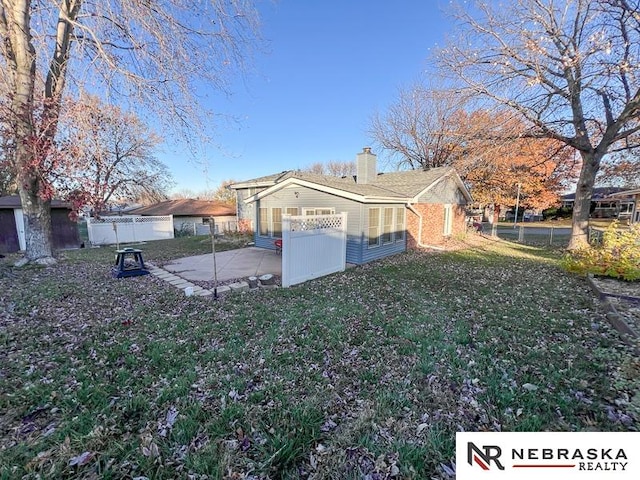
<point>129,263</point>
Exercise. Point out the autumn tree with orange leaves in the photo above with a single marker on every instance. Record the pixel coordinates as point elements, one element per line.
<point>427,129</point>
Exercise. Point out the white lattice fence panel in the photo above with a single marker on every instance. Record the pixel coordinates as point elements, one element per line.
<point>312,246</point>
<point>319,222</point>
<point>111,230</point>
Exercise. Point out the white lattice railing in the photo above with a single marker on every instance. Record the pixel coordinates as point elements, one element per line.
<point>317,222</point>
<point>112,230</point>
<point>119,220</point>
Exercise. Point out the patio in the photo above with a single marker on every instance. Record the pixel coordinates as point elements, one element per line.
<point>230,265</point>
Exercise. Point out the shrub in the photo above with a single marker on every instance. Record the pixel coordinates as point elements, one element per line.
<point>617,256</point>
<point>550,213</point>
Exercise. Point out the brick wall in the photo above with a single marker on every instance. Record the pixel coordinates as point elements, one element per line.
<point>433,224</point>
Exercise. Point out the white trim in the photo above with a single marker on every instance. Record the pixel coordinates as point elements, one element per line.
<point>448,220</point>
<point>323,188</point>
<point>458,181</point>
<point>19,219</point>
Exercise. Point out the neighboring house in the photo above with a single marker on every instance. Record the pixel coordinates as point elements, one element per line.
<point>188,213</point>
<point>12,235</point>
<point>607,202</point>
<point>630,212</point>
<point>386,212</point>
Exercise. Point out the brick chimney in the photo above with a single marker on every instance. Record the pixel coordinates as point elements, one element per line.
<point>366,170</point>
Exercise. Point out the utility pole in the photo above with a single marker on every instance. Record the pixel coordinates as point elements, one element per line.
<point>515,217</point>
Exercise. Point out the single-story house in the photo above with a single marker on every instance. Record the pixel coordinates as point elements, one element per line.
<point>189,213</point>
<point>387,213</point>
<point>630,204</point>
<point>607,202</point>
<point>12,235</point>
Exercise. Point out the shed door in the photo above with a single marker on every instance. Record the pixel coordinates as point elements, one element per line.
<point>8,232</point>
<point>64,230</point>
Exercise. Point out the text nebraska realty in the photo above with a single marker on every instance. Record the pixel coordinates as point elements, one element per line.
<point>591,459</point>
<point>607,459</point>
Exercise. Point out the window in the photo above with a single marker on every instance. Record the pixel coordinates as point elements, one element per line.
<point>276,222</point>
<point>319,211</point>
<point>387,225</point>
<point>264,222</point>
<point>374,227</point>
<point>292,210</point>
<point>399,224</point>
<point>448,220</point>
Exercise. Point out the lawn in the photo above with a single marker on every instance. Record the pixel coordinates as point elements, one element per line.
<point>370,371</point>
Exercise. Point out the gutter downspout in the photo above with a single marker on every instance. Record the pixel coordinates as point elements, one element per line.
<point>420,244</point>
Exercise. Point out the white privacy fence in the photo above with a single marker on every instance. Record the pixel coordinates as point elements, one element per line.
<point>111,230</point>
<point>312,246</point>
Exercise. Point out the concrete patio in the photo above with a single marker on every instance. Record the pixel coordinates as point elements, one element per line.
<point>230,265</point>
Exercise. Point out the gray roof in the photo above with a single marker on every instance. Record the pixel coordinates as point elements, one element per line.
<point>13,201</point>
<point>400,185</point>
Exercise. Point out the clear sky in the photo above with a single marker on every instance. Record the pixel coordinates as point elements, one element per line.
<point>326,67</point>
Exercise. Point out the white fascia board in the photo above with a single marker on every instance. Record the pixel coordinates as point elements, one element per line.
<point>323,188</point>
<point>237,186</point>
<point>458,180</point>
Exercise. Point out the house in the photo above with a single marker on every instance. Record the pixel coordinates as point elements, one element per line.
<point>387,213</point>
<point>189,213</point>
<point>629,201</point>
<point>606,202</point>
<point>12,235</point>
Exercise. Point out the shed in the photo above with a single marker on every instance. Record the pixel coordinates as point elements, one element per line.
<point>12,235</point>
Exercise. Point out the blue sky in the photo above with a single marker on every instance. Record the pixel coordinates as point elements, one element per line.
<point>326,67</point>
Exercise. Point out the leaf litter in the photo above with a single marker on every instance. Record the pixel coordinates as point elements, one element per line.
<point>363,374</point>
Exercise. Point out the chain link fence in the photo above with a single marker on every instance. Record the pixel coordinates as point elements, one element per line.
<point>537,235</point>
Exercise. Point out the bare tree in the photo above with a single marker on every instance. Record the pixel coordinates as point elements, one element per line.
<point>107,154</point>
<point>621,170</point>
<point>571,69</point>
<point>421,129</point>
<point>154,54</point>
<point>224,194</point>
<point>183,193</point>
<point>334,168</point>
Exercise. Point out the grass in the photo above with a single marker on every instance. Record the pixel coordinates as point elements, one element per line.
<point>368,371</point>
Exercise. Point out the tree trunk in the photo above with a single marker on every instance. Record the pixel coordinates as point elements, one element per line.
<point>581,207</point>
<point>22,60</point>
<point>37,227</point>
<point>35,210</point>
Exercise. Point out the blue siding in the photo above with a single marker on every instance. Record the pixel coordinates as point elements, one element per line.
<point>375,253</point>
<point>301,197</point>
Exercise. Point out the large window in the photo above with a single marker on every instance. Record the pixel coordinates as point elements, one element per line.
<point>276,222</point>
<point>399,223</point>
<point>448,220</point>
<point>374,227</point>
<point>264,222</point>
<point>387,225</point>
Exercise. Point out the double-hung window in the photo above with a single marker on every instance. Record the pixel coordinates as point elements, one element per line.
<point>399,224</point>
<point>387,225</point>
<point>374,227</point>
<point>264,221</point>
<point>276,222</point>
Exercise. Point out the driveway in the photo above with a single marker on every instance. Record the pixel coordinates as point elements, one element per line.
<point>230,265</point>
